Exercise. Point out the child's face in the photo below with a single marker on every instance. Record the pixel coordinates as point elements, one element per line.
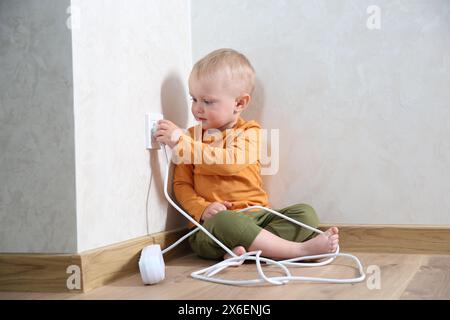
<point>212,102</point>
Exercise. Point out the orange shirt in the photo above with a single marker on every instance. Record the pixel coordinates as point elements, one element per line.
<point>224,166</point>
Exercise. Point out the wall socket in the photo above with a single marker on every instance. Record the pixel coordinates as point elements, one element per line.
<point>151,122</point>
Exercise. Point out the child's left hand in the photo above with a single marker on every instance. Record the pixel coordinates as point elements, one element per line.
<point>168,133</point>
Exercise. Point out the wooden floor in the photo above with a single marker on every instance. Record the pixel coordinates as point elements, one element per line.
<point>403,276</point>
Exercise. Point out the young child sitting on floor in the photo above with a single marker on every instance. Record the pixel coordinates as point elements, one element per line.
<point>220,171</point>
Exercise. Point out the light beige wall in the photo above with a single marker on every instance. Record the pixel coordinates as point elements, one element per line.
<point>363,114</point>
<point>130,57</point>
<point>74,171</point>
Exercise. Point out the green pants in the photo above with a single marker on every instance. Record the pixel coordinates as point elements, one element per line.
<point>241,228</point>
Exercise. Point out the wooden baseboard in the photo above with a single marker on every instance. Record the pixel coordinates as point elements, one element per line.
<point>36,272</point>
<point>413,239</point>
<point>97,267</point>
<point>42,272</point>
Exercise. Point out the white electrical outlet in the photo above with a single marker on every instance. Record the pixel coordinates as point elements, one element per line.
<point>151,122</point>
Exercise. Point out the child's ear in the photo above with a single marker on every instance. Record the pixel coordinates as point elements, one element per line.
<point>242,102</point>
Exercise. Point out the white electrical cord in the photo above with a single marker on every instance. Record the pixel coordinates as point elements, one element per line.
<point>152,270</point>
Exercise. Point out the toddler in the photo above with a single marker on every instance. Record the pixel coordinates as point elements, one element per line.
<point>218,170</point>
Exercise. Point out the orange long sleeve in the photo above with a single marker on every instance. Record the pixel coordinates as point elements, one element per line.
<point>236,178</point>
<point>184,189</point>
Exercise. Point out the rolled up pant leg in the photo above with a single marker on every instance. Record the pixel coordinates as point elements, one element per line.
<point>289,231</point>
<point>240,229</point>
<point>229,227</point>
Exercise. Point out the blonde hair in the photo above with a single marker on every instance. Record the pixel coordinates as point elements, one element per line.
<point>233,64</point>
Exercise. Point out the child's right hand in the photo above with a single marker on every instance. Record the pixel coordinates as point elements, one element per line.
<point>215,207</point>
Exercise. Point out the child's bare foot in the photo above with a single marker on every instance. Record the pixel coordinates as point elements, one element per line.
<point>240,250</point>
<point>326,242</point>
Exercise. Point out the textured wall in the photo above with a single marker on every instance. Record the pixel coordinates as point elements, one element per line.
<point>363,114</point>
<point>37,178</point>
<point>74,171</point>
<point>130,57</point>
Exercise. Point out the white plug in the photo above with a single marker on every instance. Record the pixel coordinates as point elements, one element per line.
<point>151,123</point>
